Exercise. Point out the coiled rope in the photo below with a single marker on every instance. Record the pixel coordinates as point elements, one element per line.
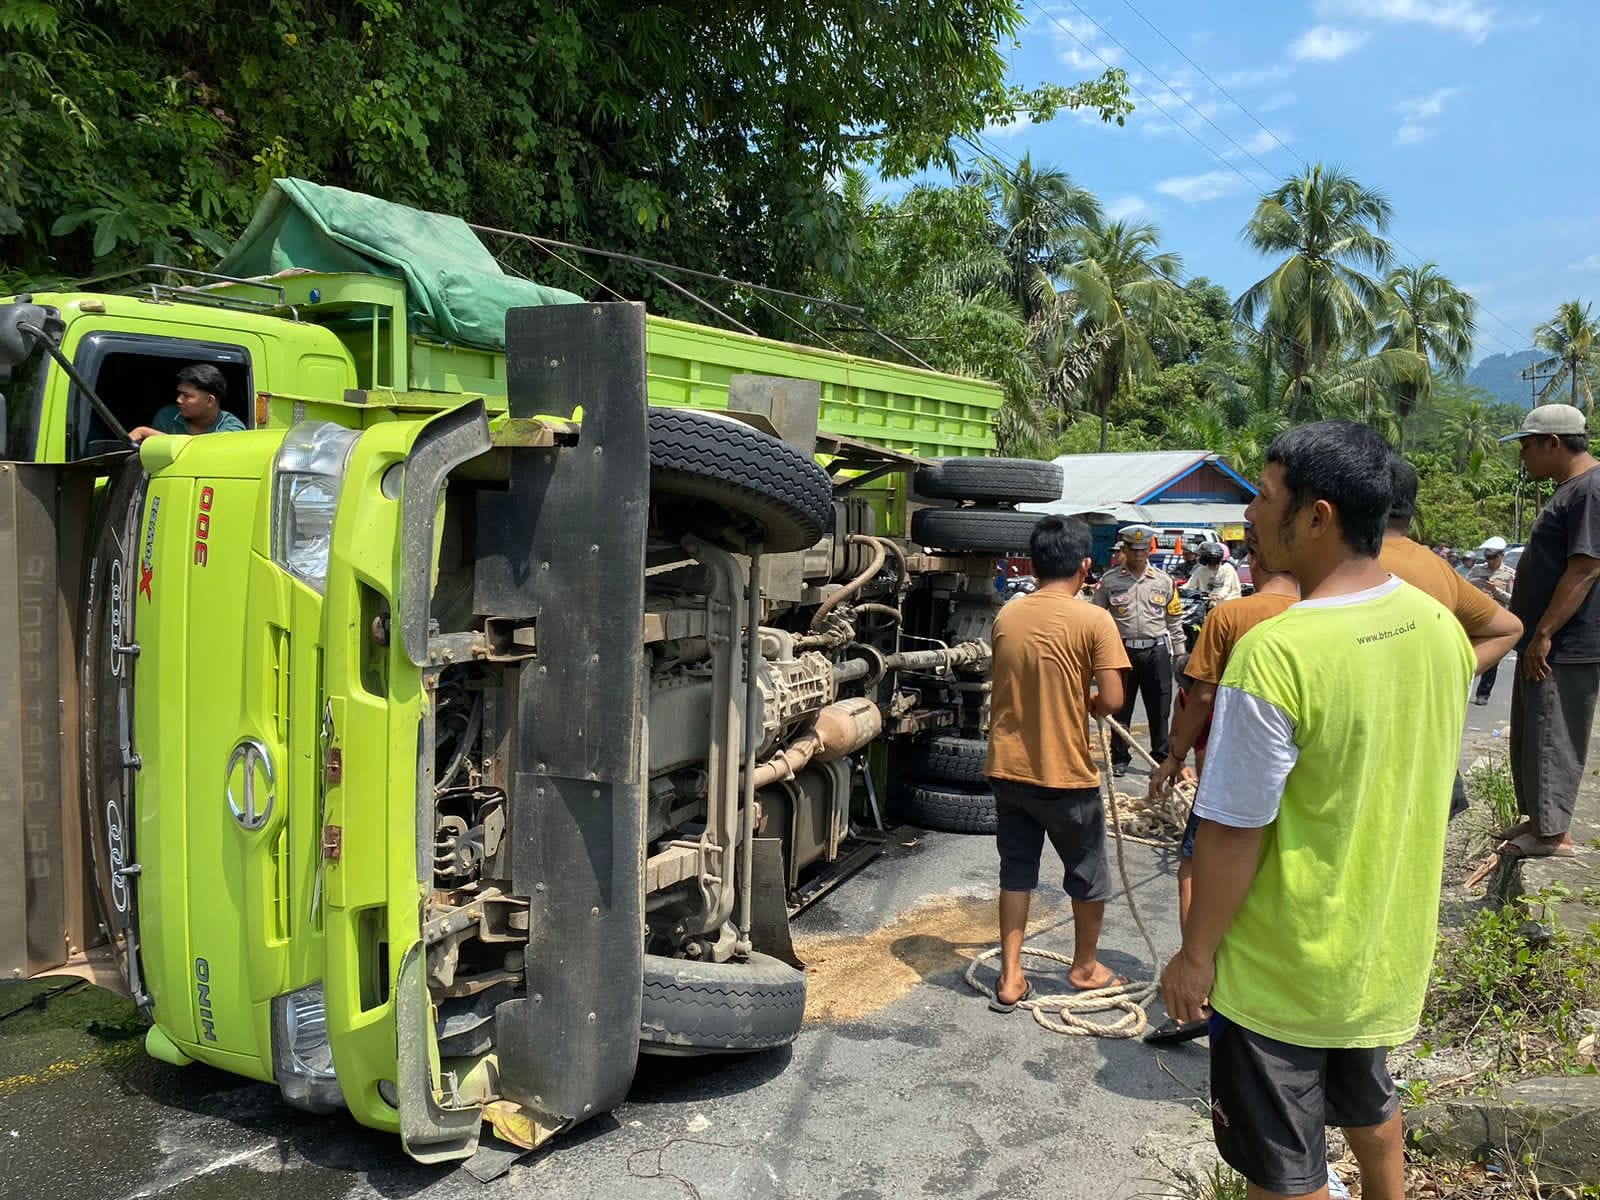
<point>1070,1012</point>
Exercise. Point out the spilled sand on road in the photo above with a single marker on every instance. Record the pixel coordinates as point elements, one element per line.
<point>852,977</point>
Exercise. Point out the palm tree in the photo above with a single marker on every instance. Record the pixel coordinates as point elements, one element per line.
<point>1425,313</point>
<point>1125,289</point>
<point>1318,299</point>
<point>1573,339</point>
<point>1037,214</point>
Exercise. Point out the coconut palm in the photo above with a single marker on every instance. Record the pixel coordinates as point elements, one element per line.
<point>1037,214</point>
<point>1425,313</point>
<point>1573,339</point>
<point>1317,301</point>
<point>1125,289</point>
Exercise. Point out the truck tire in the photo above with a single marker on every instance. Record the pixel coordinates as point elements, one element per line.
<point>999,530</point>
<point>749,473</point>
<point>720,1008</point>
<point>1000,480</point>
<point>949,809</point>
<point>105,679</point>
<point>949,758</point>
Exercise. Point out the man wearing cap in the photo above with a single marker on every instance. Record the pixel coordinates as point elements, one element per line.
<point>1215,578</point>
<point>1493,578</point>
<point>1145,605</point>
<point>1553,698</point>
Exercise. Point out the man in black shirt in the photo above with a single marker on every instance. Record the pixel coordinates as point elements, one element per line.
<point>1558,676</point>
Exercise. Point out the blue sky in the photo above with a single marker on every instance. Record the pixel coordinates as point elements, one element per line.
<point>1476,119</point>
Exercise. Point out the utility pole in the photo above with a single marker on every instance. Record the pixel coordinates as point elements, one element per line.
<point>1534,378</point>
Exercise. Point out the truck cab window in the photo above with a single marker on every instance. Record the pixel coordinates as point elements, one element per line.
<point>134,375</point>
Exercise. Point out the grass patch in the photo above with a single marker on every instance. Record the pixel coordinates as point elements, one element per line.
<point>1489,787</point>
<point>1509,990</point>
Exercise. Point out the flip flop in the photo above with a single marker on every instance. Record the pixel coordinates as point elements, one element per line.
<point>1000,1006</point>
<point>1115,981</point>
<point>1527,846</point>
<point>1170,1032</point>
<point>1512,831</point>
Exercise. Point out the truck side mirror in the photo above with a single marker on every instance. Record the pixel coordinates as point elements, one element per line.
<point>17,345</point>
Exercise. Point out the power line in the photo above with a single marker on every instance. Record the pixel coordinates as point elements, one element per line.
<point>1282,144</point>
<point>1483,308</point>
<point>1115,42</point>
<point>1133,87</point>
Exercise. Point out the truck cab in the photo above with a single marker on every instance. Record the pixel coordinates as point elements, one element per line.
<point>466,726</point>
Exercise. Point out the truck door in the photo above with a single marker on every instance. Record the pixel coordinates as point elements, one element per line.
<point>133,373</point>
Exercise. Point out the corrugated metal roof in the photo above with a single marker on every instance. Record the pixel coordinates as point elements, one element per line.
<point>1102,478</point>
<point>1180,512</point>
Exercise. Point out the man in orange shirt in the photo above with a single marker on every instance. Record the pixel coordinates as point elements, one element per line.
<point>1048,650</point>
<point>1492,630</point>
<point>1224,626</point>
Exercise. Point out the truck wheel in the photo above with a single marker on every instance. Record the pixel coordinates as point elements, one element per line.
<point>999,530</point>
<point>749,473</point>
<point>720,1008</point>
<point>106,672</point>
<point>1002,480</point>
<point>945,756</point>
<point>946,808</point>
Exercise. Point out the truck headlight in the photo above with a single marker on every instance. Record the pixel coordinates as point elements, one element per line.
<point>302,1056</point>
<point>306,479</point>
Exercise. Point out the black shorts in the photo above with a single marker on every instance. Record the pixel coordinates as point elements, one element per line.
<point>1075,821</point>
<point>1271,1102</point>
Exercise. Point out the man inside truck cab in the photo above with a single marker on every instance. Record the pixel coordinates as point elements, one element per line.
<point>197,407</point>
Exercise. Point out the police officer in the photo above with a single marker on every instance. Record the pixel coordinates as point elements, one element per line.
<point>1144,603</point>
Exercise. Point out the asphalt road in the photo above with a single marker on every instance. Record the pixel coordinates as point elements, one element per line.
<point>902,1085</point>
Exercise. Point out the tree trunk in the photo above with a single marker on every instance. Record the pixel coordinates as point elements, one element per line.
<point>1104,405</point>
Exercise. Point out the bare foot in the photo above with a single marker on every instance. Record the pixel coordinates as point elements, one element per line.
<point>1531,845</point>
<point>1010,994</point>
<point>1097,976</point>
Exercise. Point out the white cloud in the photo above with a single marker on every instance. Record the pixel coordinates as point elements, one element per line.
<point>1260,142</point>
<point>1080,45</point>
<point>1021,124</point>
<point>1470,18</point>
<point>1125,207</point>
<point>1483,289</point>
<point>1276,101</point>
<point>1592,263</point>
<point>1418,114</point>
<point>1326,43</point>
<point>1195,189</point>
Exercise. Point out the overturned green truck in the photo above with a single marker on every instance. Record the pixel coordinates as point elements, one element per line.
<point>469,723</point>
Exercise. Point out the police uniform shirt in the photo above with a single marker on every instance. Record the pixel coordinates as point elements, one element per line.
<point>1145,608</point>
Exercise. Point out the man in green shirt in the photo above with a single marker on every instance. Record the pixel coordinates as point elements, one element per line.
<point>1323,806</point>
<point>197,408</point>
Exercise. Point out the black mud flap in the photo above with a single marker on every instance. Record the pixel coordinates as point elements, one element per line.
<point>769,903</point>
<point>564,545</point>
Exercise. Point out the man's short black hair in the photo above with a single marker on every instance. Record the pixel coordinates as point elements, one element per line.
<point>1058,547</point>
<point>1403,490</point>
<point>1575,443</point>
<point>1345,463</point>
<point>207,378</point>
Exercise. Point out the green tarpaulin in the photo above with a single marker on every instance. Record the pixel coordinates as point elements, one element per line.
<point>455,290</point>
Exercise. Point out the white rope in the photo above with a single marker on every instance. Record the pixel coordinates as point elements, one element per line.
<point>1069,1013</point>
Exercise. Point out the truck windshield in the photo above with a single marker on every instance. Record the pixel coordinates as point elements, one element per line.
<point>22,393</point>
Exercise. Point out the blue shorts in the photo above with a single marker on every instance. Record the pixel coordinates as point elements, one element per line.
<point>1186,848</point>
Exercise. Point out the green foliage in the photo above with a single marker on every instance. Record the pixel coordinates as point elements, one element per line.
<point>1571,339</point>
<point>137,132</point>
<point>1512,990</point>
<point>1489,783</point>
